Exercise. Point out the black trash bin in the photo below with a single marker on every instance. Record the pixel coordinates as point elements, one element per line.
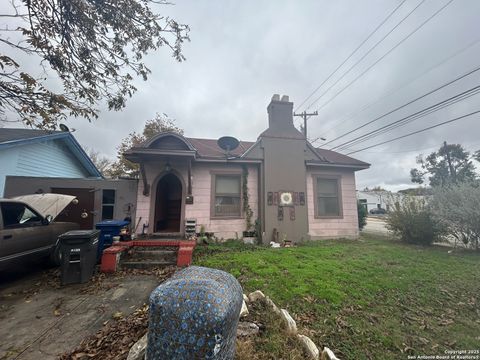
<point>79,255</point>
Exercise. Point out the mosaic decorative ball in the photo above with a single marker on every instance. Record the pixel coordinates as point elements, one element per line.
<point>194,315</point>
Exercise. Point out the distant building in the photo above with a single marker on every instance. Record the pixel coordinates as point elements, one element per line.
<point>373,199</point>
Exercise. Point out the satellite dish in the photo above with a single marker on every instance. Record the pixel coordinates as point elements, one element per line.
<point>228,143</point>
<point>64,128</point>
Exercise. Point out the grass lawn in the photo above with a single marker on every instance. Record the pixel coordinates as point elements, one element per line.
<point>367,299</point>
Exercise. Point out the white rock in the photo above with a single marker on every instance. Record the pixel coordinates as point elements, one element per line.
<point>290,324</point>
<point>137,351</point>
<point>328,354</point>
<point>247,329</point>
<point>254,296</point>
<point>309,347</point>
<point>274,244</point>
<point>244,311</point>
<point>245,298</point>
<point>272,305</point>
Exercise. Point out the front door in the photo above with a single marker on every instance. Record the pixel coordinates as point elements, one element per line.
<point>73,212</point>
<point>168,204</point>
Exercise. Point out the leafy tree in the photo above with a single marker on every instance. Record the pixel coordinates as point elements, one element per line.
<point>450,164</point>
<point>92,48</point>
<point>102,163</point>
<point>457,208</point>
<point>161,123</point>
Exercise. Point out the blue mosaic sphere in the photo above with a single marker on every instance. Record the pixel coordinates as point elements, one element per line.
<point>194,315</point>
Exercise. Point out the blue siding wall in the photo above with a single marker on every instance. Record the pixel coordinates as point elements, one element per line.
<point>49,158</point>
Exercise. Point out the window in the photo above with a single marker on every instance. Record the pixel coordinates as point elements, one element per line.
<point>17,214</point>
<point>108,204</point>
<point>327,196</point>
<point>227,196</point>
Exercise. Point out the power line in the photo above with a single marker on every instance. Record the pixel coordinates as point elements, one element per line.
<point>351,54</point>
<point>422,113</point>
<point>366,54</point>
<point>448,83</point>
<point>385,55</point>
<point>350,115</point>
<point>416,132</point>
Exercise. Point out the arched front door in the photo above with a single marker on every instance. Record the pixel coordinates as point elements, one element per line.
<point>168,204</point>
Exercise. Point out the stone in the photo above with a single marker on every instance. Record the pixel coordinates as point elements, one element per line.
<point>256,295</point>
<point>290,324</point>
<point>328,354</point>
<point>309,347</point>
<point>244,310</point>
<point>272,305</point>
<point>245,298</point>
<point>247,329</point>
<point>137,351</point>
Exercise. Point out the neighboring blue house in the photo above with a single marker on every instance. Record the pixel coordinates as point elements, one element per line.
<point>40,153</point>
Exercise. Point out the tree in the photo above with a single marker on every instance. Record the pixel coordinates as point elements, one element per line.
<point>102,163</point>
<point>160,123</point>
<point>450,164</point>
<point>92,48</point>
<point>456,207</point>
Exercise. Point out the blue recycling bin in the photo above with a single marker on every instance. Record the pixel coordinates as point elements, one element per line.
<point>108,229</point>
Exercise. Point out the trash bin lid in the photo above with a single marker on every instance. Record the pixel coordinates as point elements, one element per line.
<point>79,234</point>
<point>106,223</point>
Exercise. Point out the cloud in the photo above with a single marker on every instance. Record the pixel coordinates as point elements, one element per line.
<point>242,52</point>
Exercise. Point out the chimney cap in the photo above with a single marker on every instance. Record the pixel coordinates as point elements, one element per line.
<point>276,97</point>
<point>285,98</point>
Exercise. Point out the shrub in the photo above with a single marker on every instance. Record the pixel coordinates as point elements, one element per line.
<point>457,208</point>
<point>412,220</point>
<point>362,215</point>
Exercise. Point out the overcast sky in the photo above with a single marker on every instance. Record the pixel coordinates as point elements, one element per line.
<point>242,52</point>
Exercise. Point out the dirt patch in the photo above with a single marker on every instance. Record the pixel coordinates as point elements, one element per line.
<point>41,319</point>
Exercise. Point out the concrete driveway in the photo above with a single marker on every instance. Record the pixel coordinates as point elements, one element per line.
<point>376,225</point>
<point>41,319</point>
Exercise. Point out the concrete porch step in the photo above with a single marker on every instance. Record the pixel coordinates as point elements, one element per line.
<point>146,264</point>
<point>153,255</point>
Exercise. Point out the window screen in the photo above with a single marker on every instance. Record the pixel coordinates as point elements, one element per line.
<point>227,195</point>
<point>327,197</point>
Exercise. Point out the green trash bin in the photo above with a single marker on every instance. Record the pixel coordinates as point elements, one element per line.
<point>78,250</point>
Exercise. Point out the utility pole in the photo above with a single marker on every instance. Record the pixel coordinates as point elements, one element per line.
<point>304,116</point>
<point>450,166</point>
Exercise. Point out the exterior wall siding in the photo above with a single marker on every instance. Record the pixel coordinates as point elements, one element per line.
<point>345,227</point>
<point>49,158</point>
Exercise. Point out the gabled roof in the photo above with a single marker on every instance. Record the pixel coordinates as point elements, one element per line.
<point>15,137</point>
<point>208,149</point>
<point>340,159</point>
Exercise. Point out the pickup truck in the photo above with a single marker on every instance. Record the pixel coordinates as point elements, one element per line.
<point>28,229</point>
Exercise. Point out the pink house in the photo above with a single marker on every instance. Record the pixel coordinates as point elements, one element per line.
<point>280,185</point>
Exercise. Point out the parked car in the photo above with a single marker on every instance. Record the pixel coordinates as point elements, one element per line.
<point>378,211</point>
<point>28,229</point>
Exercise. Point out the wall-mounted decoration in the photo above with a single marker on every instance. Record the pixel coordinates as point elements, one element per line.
<point>270,198</point>
<point>275,198</point>
<point>286,198</point>
<point>280,213</point>
<point>302,198</point>
<point>292,213</point>
<point>296,199</point>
